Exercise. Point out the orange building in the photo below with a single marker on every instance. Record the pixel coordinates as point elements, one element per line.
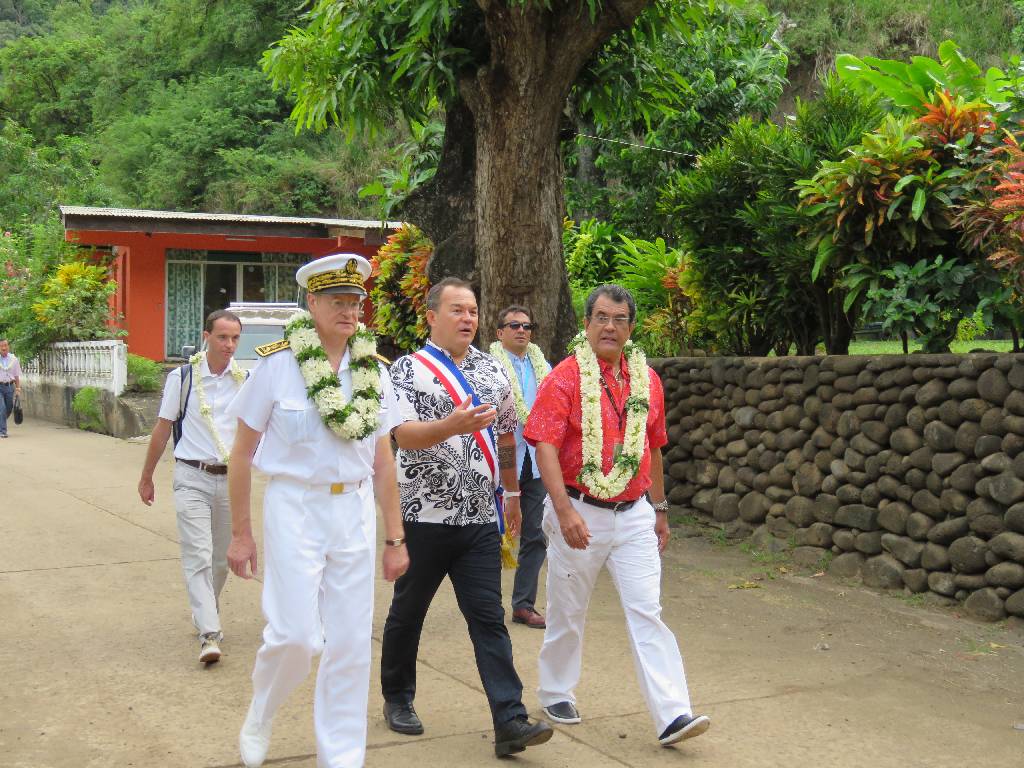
<point>174,268</point>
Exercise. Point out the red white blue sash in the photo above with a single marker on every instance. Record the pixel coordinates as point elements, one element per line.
<point>458,388</point>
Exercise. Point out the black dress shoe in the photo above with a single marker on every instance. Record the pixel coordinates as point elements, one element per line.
<point>402,718</point>
<point>516,735</point>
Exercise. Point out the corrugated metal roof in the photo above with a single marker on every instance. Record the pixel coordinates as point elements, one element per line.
<point>133,213</point>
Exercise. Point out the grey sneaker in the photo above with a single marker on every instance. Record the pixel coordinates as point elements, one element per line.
<point>210,650</point>
<point>562,712</point>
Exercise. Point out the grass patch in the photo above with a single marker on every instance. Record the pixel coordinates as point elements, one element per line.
<point>86,406</point>
<point>915,600</point>
<point>896,347</point>
<point>144,375</point>
<point>762,557</point>
<point>719,538</point>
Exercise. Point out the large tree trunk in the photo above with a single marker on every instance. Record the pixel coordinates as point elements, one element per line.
<point>517,102</point>
<point>445,207</point>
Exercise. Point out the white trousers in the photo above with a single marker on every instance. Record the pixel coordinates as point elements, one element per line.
<point>318,596</point>
<point>626,543</point>
<point>204,531</point>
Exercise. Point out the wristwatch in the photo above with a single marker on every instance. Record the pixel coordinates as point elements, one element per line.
<point>511,494</point>
<point>395,542</point>
<point>661,506</point>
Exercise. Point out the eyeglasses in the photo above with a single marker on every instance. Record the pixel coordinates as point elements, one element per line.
<point>343,305</point>
<point>620,321</point>
<point>515,325</point>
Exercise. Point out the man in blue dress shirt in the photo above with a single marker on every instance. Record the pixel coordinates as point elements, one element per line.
<point>526,361</point>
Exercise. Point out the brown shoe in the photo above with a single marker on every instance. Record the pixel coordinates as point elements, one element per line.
<point>529,617</point>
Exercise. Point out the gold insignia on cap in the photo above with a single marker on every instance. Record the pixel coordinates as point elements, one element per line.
<point>348,276</point>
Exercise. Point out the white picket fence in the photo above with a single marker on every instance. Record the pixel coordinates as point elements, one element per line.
<point>101,364</point>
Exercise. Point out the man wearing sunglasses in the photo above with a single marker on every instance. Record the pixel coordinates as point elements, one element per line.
<point>526,368</point>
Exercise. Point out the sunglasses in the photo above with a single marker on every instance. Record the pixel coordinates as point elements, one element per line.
<point>515,325</point>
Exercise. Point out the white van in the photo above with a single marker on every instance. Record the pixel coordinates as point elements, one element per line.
<point>262,323</point>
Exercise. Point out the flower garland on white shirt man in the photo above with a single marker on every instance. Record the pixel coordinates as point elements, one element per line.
<point>638,404</point>
<point>205,409</point>
<point>540,368</point>
<point>352,420</point>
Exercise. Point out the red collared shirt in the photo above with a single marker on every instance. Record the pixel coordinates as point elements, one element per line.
<point>557,414</point>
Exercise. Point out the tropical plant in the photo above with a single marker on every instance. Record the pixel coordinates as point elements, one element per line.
<point>417,164</point>
<point>592,252</point>
<point>909,85</point>
<point>399,293</point>
<point>144,375</point>
<point>651,272</point>
<point>927,298</point>
<point>75,302</point>
<point>86,405</point>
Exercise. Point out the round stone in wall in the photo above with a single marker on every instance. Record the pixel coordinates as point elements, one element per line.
<point>985,604</point>
<point>967,554</point>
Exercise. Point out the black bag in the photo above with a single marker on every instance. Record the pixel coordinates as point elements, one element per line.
<point>19,415</point>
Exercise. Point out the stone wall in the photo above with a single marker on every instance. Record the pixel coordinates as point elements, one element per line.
<point>907,471</point>
<point>125,416</point>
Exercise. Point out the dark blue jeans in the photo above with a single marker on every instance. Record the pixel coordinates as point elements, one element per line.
<point>470,556</point>
<point>6,404</point>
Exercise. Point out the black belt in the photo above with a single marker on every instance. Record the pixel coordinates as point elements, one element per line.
<point>213,469</point>
<point>615,506</point>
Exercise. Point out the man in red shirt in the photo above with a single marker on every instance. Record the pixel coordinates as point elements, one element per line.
<point>599,425</point>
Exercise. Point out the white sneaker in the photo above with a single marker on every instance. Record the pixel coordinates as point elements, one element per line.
<point>254,740</point>
<point>209,652</point>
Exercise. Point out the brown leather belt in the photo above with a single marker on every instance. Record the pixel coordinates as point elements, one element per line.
<point>213,469</point>
<point>615,506</point>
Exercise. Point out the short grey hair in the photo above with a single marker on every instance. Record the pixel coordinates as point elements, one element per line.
<point>434,294</point>
<point>616,293</point>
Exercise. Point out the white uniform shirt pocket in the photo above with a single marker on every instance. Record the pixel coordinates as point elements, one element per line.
<point>296,419</point>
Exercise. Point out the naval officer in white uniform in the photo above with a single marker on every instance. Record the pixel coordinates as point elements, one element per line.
<point>324,407</point>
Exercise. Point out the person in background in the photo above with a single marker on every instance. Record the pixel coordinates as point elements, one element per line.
<point>194,411</point>
<point>526,368</point>
<point>10,383</point>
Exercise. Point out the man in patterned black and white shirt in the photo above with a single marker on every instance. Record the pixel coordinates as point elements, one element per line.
<point>448,506</point>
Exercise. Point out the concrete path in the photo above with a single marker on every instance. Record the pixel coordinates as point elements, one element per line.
<point>97,655</point>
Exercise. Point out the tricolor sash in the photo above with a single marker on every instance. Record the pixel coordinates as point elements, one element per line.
<point>458,388</point>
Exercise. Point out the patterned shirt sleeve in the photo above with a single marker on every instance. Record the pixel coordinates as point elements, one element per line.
<point>549,417</point>
<point>508,420</point>
<point>402,375</point>
<point>656,432</point>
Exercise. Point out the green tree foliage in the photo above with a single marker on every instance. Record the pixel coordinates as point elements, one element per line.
<point>817,30</point>
<point>38,306</point>
<point>748,268</point>
<point>886,214</point>
<point>676,91</point>
<point>166,99</point>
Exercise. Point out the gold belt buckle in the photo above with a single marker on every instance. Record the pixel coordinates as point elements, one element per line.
<point>337,488</point>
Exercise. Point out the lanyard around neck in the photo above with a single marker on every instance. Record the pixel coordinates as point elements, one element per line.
<point>620,415</point>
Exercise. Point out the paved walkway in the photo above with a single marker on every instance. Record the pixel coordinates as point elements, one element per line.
<point>98,662</point>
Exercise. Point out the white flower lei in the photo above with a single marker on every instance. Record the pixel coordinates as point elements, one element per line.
<point>540,367</point>
<point>350,420</point>
<point>205,409</point>
<point>637,407</point>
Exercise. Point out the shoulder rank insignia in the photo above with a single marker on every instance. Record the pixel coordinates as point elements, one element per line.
<point>383,360</point>
<point>274,346</point>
